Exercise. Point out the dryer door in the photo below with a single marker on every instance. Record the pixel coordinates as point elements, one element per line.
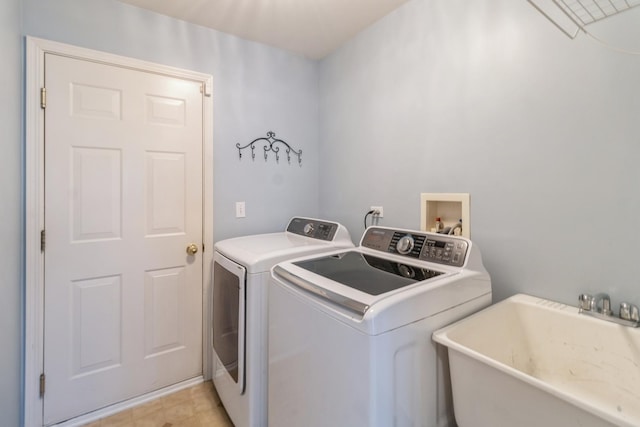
<point>229,281</point>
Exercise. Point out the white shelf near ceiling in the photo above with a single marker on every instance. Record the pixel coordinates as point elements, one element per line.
<point>571,16</point>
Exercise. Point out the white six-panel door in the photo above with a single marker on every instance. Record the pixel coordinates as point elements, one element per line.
<point>123,201</point>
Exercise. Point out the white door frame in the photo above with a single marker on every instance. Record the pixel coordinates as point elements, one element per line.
<point>34,205</point>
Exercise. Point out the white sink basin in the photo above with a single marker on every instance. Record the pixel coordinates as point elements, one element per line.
<point>527,361</point>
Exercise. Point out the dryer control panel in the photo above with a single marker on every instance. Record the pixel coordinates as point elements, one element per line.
<point>316,229</point>
<point>430,247</point>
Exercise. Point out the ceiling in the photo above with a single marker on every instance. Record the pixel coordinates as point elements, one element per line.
<point>312,28</point>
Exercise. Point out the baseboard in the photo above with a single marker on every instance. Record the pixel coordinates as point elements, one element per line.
<point>121,406</point>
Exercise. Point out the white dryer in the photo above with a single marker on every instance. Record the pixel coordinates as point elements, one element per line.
<point>241,271</point>
<point>350,331</point>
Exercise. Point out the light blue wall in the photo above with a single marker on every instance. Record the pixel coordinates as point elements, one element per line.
<point>484,97</point>
<point>256,89</point>
<point>487,97</point>
<point>10,211</point>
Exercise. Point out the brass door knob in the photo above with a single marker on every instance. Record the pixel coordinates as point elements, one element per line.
<point>192,249</point>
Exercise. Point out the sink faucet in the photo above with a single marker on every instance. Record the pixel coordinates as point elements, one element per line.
<point>599,305</point>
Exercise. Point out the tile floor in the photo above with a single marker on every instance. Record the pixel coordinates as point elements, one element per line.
<point>197,406</point>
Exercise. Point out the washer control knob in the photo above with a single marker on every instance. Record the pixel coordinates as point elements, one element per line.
<point>308,229</point>
<point>405,244</point>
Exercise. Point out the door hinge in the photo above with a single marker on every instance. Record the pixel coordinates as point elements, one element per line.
<point>42,384</point>
<point>43,240</point>
<point>43,98</point>
<point>205,90</point>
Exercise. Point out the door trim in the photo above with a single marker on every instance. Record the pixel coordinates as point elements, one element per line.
<point>36,49</point>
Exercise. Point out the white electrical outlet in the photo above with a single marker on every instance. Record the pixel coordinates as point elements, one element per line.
<point>240,211</point>
<point>379,210</point>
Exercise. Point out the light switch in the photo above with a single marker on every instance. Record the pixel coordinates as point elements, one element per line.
<point>240,211</point>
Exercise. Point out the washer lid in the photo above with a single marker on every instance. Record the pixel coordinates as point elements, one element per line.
<point>367,273</point>
<point>336,291</point>
<point>260,252</point>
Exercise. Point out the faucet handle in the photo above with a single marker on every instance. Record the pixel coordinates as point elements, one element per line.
<point>625,311</point>
<point>629,312</point>
<point>585,302</point>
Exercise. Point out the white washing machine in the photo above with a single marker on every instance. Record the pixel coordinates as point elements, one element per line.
<point>240,277</point>
<point>350,331</point>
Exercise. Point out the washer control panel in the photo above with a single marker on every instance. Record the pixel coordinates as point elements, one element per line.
<point>445,250</point>
<point>430,247</point>
<point>316,229</point>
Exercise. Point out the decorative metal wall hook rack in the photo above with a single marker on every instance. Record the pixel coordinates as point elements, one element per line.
<point>269,145</point>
